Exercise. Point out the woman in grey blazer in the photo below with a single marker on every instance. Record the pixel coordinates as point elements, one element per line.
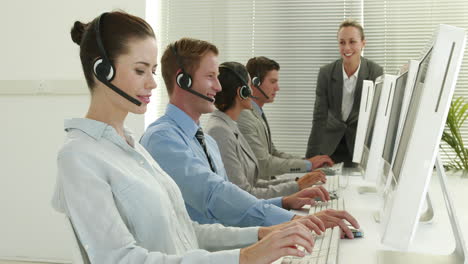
<point>338,96</point>
<point>239,160</point>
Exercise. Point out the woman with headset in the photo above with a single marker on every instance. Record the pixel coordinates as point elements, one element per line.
<point>238,158</point>
<point>338,96</point>
<point>122,205</point>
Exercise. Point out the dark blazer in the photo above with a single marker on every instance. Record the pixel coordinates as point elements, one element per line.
<point>328,126</point>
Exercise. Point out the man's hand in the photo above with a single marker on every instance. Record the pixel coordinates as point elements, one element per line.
<point>320,161</point>
<point>311,178</point>
<point>332,218</point>
<point>306,196</point>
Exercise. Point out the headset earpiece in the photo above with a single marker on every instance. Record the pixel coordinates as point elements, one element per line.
<point>183,79</point>
<point>103,70</point>
<point>256,81</point>
<point>245,92</point>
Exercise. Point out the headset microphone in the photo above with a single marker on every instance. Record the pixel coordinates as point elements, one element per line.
<point>103,68</point>
<point>184,80</point>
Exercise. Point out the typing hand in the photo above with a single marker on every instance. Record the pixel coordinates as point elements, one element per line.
<point>332,218</point>
<point>304,197</point>
<point>320,161</point>
<point>279,243</point>
<point>311,178</point>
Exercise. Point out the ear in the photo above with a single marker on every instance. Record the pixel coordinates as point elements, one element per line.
<point>363,44</point>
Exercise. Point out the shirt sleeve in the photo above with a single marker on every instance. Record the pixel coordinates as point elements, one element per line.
<point>88,202</point>
<point>308,165</point>
<point>205,191</point>
<point>214,237</point>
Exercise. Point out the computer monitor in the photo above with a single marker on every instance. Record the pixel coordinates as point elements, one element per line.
<point>374,162</point>
<point>401,102</point>
<point>367,96</point>
<point>418,146</point>
<point>371,123</point>
<point>403,91</point>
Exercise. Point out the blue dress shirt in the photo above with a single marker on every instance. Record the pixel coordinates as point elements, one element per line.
<point>209,197</point>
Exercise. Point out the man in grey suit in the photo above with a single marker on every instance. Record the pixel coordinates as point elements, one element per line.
<point>253,124</point>
<point>338,96</point>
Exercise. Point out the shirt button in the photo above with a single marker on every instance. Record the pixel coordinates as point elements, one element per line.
<point>142,162</point>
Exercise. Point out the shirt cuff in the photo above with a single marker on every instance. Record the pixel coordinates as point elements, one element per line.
<point>278,201</point>
<point>308,165</point>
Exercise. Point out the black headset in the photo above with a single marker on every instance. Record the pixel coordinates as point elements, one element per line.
<point>244,91</point>
<point>183,79</point>
<point>103,68</point>
<point>256,81</point>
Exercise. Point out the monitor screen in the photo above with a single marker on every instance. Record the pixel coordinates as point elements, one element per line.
<point>394,117</point>
<point>373,114</point>
<point>410,116</point>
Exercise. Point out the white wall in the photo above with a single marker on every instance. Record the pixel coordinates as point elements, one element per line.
<point>36,45</point>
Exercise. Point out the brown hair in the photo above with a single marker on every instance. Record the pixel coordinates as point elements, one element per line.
<point>189,52</point>
<point>352,23</point>
<point>117,30</point>
<point>260,66</point>
<point>230,83</point>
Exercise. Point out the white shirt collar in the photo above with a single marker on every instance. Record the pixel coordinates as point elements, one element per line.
<point>345,76</point>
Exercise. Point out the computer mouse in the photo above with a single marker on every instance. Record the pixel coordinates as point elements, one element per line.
<point>357,232</point>
<point>333,195</point>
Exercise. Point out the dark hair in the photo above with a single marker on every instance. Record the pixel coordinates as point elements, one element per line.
<point>352,23</point>
<point>230,84</point>
<point>117,29</point>
<point>190,52</point>
<point>260,66</point>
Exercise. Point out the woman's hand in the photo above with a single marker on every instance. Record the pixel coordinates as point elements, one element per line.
<point>279,243</point>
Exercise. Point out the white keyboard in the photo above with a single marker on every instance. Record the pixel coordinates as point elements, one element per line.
<point>325,250</point>
<point>332,184</point>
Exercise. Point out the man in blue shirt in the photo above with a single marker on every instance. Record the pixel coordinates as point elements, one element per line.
<point>192,158</point>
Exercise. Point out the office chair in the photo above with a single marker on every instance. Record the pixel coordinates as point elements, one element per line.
<point>78,252</point>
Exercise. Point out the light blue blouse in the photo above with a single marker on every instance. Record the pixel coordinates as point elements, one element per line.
<point>126,209</point>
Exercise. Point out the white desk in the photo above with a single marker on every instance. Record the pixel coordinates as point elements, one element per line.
<point>435,237</point>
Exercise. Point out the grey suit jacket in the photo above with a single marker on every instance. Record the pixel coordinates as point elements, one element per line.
<point>239,160</point>
<point>271,161</point>
<point>328,126</point>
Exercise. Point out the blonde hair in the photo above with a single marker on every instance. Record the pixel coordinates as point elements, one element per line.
<point>352,23</point>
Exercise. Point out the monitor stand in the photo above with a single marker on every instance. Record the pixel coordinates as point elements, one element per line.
<point>458,256</point>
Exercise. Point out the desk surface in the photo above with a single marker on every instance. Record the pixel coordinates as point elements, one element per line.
<point>435,237</point>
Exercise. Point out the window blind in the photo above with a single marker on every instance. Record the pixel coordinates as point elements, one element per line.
<point>299,34</point>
